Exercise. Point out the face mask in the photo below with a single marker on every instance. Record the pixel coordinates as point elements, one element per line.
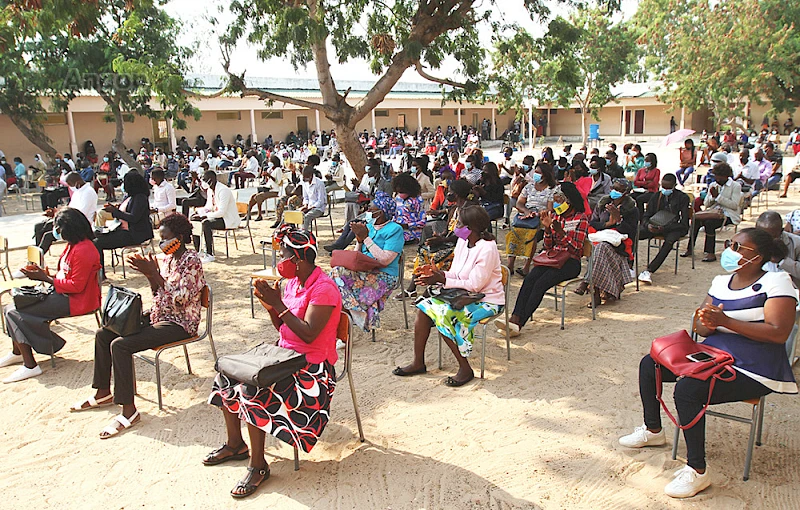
<point>537,178</point>
<point>204,185</point>
<point>371,181</point>
<point>191,158</point>
<point>560,208</point>
<point>561,168</point>
<point>468,165</point>
<point>608,162</point>
<point>169,246</point>
<point>56,234</point>
<point>334,164</point>
<point>287,268</point>
<point>666,192</point>
<point>58,160</point>
<point>647,164</point>
<point>729,260</point>
<point>414,170</point>
<point>525,167</point>
<point>105,160</point>
<point>462,232</point>
<point>615,194</point>
<point>592,171</point>
<point>369,217</point>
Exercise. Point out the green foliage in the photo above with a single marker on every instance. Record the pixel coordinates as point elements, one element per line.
<point>720,54</point>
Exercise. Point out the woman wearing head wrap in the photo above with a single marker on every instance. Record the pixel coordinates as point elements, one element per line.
<point>365,293</point>
<point>611,267</point>
<point>295,409</point>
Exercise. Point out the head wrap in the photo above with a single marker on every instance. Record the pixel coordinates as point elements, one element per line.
<point>624,182</point>
<point>299,241</point>
<point>386,204</point>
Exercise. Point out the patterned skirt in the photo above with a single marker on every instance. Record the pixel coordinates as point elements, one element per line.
<point>441,259</point>
<point>457,325</point>
<point>294,410</point>
<point>610,270</point>
<point>365,294</point>
<point>520,242</point>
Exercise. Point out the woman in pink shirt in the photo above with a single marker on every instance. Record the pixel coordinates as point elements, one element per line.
<point>295,409</point>
<point>476,268</point>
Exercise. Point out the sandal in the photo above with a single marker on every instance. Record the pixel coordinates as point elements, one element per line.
<point>119,420</point>
<point>581,289</point>
<point>402,373</point>
<point>93,403</point>
<point>453,383</point>
<point>520,272</point>
<point>250,488</point>
<point>213,459</point>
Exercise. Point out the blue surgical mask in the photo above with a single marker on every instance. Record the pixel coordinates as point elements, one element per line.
<point>56,234</point>
<point>105,160</point>
<point>468,165</point>
<point>647,164</point>
<point>615,194</point>
<point>729,260</point>
<point>525,167</point>
<point>537,178</point>
<point>608,162</point>
<point>369,217</point>
<point>666,192</point>
<point>593,171</point>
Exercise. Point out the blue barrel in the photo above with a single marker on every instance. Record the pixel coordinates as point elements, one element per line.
<point>594,131</point>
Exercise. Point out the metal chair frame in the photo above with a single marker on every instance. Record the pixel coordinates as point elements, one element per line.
<point>120,256</point>
<point>401,264</point>
<point>588,254</point>
<point>232,231</point>
<point>5,267</point>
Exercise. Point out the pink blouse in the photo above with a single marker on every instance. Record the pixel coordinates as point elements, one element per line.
<point>319,290</point>
<point>477,269</point>
<point>178,301</point>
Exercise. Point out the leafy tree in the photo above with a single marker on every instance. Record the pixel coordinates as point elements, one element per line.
<point>722,54</point>
<point>577,60</point>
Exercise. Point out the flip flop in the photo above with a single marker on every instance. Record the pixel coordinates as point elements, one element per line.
<point>250,488</point>
<point>104,401</point>
<point>449,381</point>
<point>212,460</point>
<point>113,428</point>
<point>402,373</point>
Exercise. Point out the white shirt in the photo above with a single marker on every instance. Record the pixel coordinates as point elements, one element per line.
<point>252,166</point>
<point>164,197</point>
<point>750,171</point>
<point>221,204</point>
<point>194,166</point>
<point>84,199</point>
<point>314,196</point>
<point>70,163</point>
<point>277,174</point>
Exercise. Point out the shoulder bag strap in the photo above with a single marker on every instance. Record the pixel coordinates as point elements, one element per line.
<point>705,406</point>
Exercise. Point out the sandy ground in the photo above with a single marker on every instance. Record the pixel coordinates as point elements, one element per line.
<point>539,432</point>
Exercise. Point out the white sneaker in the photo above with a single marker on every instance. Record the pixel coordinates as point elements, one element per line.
<point>10,359</point>
<point>23,373</point>
<point>18,275</point>
<point>205,258</point>
<point>687,483</point>
<point>645,276</point>
<point>643,437</point>
<point>340,344</point>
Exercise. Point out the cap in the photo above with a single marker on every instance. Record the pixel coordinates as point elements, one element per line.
<point>719,157</point>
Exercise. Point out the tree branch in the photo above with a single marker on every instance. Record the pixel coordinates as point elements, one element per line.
<point>197,95</point>
<point>443,81</point>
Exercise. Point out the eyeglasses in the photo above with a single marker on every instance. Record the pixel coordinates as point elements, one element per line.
<point>735,245</point>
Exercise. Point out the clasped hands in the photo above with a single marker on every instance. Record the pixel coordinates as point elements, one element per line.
<point>711,316</point>
<point>428,275</point>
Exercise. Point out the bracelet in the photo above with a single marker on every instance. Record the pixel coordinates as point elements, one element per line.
<point>280,315</point>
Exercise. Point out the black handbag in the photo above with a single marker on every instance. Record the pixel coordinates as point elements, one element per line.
<point>30,295</point>
<point>529,223</point>
<point>262,366</point>
<point>456,298</point>
<point>122,312</point>
<point>662,218</point>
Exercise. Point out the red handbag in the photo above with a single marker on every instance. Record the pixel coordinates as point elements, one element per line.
<point>354,261</point>
<point>551,258</point>
<point>671,352</point>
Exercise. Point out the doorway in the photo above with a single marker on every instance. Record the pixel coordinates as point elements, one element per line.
<point>302,124</point>
<point>401,120</point>
<point>161,134</point>
<point>638,122</point>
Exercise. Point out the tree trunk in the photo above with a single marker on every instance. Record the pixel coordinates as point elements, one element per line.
<point>36,136</point>
<point>118,143</point>
<point>351,146</point>
<point>583,126</point>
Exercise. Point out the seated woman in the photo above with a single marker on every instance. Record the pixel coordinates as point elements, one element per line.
<point>565,229</point>
<point>489,191</point>
<point>688,157</point>
<point>176,280</point>
<point>295,409</point>
<point>134,216</point>
<point>76,292</point>
<point>410,213</point>
<point>722,204</point>
<point>476,268</point>
<point>611,269</point>
<point>272,178</point>
<point>634,161</point>
<point>438,240</point>
<point>749,314</point>
<point>364,293</point>
<point>536,196</point>
<point>648,178</point>
<point>601,181</point>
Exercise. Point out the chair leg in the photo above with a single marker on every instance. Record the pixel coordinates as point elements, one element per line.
<point>440,351</point>
<point>158,380</point>
<point>52,356</point>
<point>250,233</point>
<point>235,241</point>
<point>227,255</point>
<point>97,318</point>
<point>373,334</point>
<point>508,338</point>
<point>296,459</point>
<point>405,311</point>
<point>675,438</point>
<point>751,441</point>
<point>252,301</point>
<point>761,405</point>
<point>186,355</point>
<point>355,405</point>
<point>563,304</point>
<point>483,350</point>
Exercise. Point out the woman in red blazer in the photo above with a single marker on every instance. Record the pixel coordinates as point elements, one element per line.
<point>76,291</point>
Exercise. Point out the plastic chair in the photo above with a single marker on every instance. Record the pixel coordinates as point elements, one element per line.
<point>588,253</point>
<point>293,217</point>
<point>268,273</point>
<point>207,301</point>
<point>344,333</point>
<point>228,232</point>
<point>506,278</point>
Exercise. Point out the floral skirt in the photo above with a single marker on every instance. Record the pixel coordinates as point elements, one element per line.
<point>364,293</point>
<point>295,409</point>
<point>457,325</point>
<point>520,241</point>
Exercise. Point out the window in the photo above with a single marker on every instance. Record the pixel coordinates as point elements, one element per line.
<point>436,113</point>
<point>553,111</point>
<point>53,119</point>
<point>229,115</point>
<point>463,111</point>
<point>126,117</point>
<point>578,111</point>
<point>381,113</point>
<point>272,114</point>
<point>163,132</point>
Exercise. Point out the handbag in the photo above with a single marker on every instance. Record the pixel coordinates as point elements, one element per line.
<point>262,366</point>
<point>456,298</point>
<point>354,261</point>
<point>662,218</point>
<point>530,223</point>
<point>122,311</point>
<point>551,258</point>
<point>353,197</point>
<point>710,214</point>
<point>28,295</point>
<point>671,352</point>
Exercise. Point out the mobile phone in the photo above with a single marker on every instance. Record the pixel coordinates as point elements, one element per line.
<point>699,357</point>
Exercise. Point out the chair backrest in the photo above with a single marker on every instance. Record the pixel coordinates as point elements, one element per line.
<point>241,207</point>
<point>36,256</point>
<point>587,248</point>
<point>207,302</point>
<point>506,279</point>
<point>293,217</point>
<point>344,332</point>
<point>4,247</point>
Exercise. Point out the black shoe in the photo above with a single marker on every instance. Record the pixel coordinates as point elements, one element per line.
<point>276,224</point>
<point>329,248</point>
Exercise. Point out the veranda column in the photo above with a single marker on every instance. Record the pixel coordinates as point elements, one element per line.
<point>530,129</point>
<point>73,142</point>
<point>253,135</point>
<point>173,141</point>
<point>458,128</point>
<point>622,123</point>
<point>494,124</point>
<point>372,116</point>
<point>419,119</point>
<point>547,131</point>
<point>683,117</point>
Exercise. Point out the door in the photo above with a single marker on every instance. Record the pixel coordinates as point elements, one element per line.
<point>627,123</point>
<point>302,124</point>
<point>638,122</point>
<point>475,120</point>
<point>401,120</point>
<point>161,133</point>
